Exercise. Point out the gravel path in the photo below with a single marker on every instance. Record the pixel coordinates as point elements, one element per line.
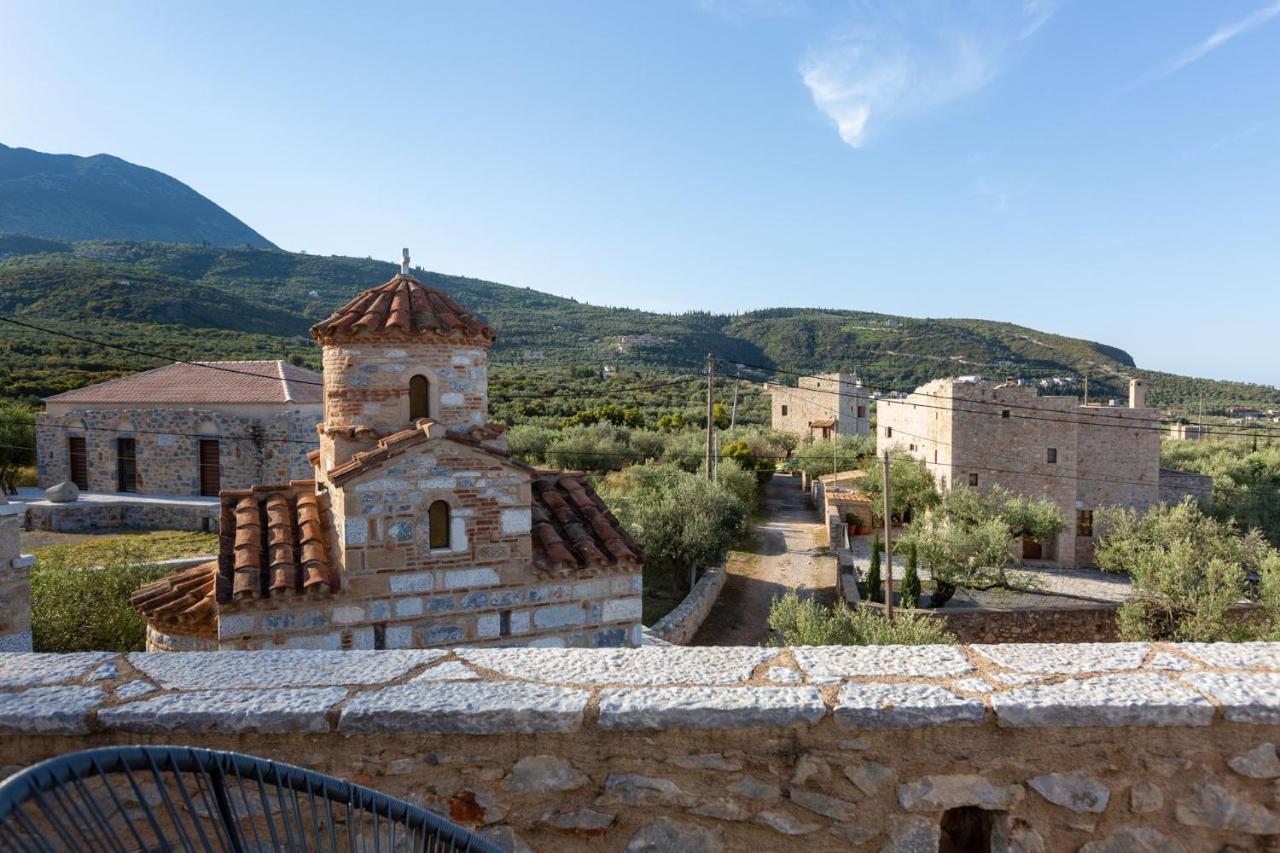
<point>782,557</point>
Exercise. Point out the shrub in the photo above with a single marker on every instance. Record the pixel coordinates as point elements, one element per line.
<point>805,622</point>
<point>81,609</point>
<point>875,586</point>
<point>17,444</point>
<point>911,580</point>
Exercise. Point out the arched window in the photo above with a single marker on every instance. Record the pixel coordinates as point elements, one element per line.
<point>438,524</point>
<point>419,399</point>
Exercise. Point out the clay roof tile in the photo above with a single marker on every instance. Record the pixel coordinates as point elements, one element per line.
<point>404,305</point>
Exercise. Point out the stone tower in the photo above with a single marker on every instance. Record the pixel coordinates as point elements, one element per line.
<point>395,355</point>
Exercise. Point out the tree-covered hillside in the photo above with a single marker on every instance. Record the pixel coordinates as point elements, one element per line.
<point>207,302</point>
<point>63,196</point>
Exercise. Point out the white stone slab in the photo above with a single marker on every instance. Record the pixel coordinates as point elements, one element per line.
<point>288,710</point>
<point>1068,658</point>
<point>48,710</point>
<point>1235,655</point>
<point>1245,697</point>
<point>655,708</point>
<point>828,663</point>
<point>904,706</point>
<point>1141,699</point>
<point>645,666</point>
<point>466,707</point>
<point>452,670</point>
<point>285,668</point>
<point>134,689</point>
<point>19,669</point>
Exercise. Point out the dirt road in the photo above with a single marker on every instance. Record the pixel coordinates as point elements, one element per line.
<point>781,557</point>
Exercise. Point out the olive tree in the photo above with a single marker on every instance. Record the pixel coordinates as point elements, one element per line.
<point>1187,569</point>
<point>17,444</point>
<point>911,487</point>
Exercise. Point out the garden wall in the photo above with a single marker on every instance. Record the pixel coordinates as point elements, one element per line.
<point>84,516</point>
<point>1108,747</point>
<point>679,625</point>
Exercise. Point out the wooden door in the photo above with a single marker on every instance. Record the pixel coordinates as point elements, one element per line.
<point>78,461</point>
<point>210,467</point>
<point>126,465</point>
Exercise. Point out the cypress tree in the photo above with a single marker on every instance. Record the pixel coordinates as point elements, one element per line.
<point>875,590</point>
<point>911,580</point>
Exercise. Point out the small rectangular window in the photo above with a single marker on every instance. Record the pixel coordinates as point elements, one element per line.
<point>126,465</point>
<point>935,456</point>
<point>1053,456</point>
<point>79,462</point>
<point>888,432</point>
<point>1004,413</point>
<point>862,411</point>
<point>504,623</point>
<point>973,479</point>
<point>784,410</point>
<point>380,636</point>
<point>1084,522</point>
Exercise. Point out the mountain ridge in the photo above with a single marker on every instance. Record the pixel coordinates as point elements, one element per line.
<point>255,303</point>
<point>66,196</point>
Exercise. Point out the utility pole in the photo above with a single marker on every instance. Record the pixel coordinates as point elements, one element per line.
<point>711,427</point>
<point>888,543</point>
<point>733,416</point>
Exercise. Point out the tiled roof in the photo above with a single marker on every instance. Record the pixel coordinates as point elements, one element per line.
<point>185,384</point>
<point>274,541</point>
<point>398,442</point>
<point>573,528</point>
<point>825,423</point>
<point>182,602</point>
<point>403,305</point>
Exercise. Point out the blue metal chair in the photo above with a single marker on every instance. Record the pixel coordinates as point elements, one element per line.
<point>163,798</point>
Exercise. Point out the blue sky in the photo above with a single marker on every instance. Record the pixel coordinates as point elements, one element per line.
<point>1104,170</point>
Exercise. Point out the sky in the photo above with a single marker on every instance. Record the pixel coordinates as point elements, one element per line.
<point>1104,170</point>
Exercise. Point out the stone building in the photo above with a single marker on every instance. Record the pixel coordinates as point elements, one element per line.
<point>417,528</point>
<point>1081,457</point>
<point>15,584</point>
<point>822,406</point>
<point>183,429</point>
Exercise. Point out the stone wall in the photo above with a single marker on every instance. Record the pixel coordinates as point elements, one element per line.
<point>252,449</point>
<point>85,516</point>
<point>1176,485</point>
<point>679,626</point>
<point>1094,623</point>
<point>1079,457</point>
<point>837,396</point>
<point>15,584</point>
<point>1113,747</point>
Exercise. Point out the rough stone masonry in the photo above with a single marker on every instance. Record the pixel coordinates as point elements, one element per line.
<point>1090,747</point>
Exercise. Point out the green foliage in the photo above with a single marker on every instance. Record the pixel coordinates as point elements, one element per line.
<point>742,484</point>
<point>17,444</point>
<point>80,593</point>
<point>911,487</point>
<point>682,521</point>
<point>968,539</point>
<point>202,302</point>
<point>847,452</point>
<point>805,622</point>
<point>1187,570</point>
<point>1246,479</point>
<point>875,584</point>
<point>911,579</point>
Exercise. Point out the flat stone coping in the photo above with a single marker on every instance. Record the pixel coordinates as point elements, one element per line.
<point>29,496</point>
<point>644,690</point>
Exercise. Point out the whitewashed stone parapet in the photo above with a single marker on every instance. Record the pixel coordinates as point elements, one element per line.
<point>693,748</point>
<point>679,626</point>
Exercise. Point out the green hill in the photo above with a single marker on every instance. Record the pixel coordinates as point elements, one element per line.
<point>62,196</point>
<point>204,302</point>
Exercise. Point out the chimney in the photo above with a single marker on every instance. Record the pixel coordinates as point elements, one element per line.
<point>1137,394</point>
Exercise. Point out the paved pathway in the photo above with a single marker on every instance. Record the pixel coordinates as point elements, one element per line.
<point>782,556</point>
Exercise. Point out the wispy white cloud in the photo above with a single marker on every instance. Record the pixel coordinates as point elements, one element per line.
<point>902,57</point>
<point>747,10</point>
<point>1201,49</point>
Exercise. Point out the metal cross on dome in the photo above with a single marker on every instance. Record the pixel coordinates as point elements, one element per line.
<point>404,262</point>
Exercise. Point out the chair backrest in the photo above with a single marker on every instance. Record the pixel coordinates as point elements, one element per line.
<point>181,798</point>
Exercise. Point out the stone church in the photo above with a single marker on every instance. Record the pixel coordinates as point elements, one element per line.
<point>418,528</point>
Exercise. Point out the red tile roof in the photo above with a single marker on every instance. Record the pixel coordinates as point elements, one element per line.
<point>407,306</point>
<point>573,528</point>
<point>181,603</point>
<point>186,384</point>
<point>398,442</point>
<point>274,541</point>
